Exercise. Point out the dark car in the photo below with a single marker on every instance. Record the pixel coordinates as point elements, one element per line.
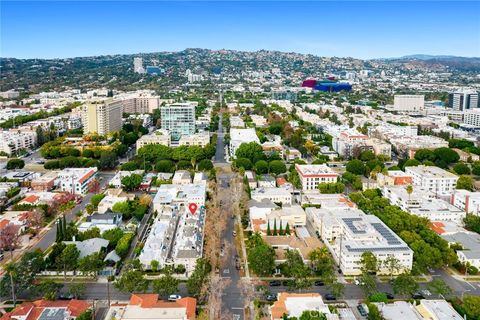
<point>66,296</point>
<point>275,283</point>
<point>418,295</point>
<point>389,295</point>
<point>319,283</point>
<point>330,296</point>
<point>271,297</point>
<point>362,310</point>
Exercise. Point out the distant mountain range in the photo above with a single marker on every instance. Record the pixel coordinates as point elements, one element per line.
<point>429,57</point>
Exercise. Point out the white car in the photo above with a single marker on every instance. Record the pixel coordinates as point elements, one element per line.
<point>174,297</point>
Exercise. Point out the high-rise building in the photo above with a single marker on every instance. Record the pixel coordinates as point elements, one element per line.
<point>463,100</point>
<point>178,119</point>
<point>102,117</point>
<point>138,65</point>
<point>408,102</point>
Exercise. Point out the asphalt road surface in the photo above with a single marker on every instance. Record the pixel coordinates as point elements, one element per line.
<point>51,234</point>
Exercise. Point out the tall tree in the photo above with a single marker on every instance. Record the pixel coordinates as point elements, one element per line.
<point>68,259</point>
<point>368,262</point>
<point>9,238</point>
<point>392,264</point>
<point>166,285</point>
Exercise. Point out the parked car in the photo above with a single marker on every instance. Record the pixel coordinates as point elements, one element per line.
<point>271,297</point>
<point>234,233</point>
<point>275,283</point>
<point>418,295</point>
<point>319,283</point>
<point>362,310</point>
<point>426,293</point>
<point>330,296</point>
<point>389,295</point>
<point>174,297</point>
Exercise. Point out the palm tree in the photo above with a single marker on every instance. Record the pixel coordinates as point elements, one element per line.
<point>409,191</point>
<point>11,270</point>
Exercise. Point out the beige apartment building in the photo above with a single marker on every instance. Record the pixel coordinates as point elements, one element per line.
<point>102,117</point>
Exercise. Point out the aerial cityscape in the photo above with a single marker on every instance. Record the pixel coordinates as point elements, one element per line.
<point>239,160</point>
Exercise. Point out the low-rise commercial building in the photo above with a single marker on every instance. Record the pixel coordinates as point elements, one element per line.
<point>46,182</point>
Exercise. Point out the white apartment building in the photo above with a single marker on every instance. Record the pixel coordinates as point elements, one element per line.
<point>239,136</point>
<point>472,117</point>
<point>278,195</point>
<point>422,202</point>
<point>178,119</point>
<point>176,236</point>
<point>311,175</point>
<point>236,122</point>
<point>408,102</point>
<point>259,121</point>
<point>138,65</point>
<point>434,179</point>
<point>198,139</point>
<point>76,180</point>
<point>102,117</point>
<point>159,137</point>
<point>467,201</point>
<point>348,233</point>
<point>10,94</point>
<point>13,141</point>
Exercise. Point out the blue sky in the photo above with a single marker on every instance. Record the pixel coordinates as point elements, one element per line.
<point>357,29</point>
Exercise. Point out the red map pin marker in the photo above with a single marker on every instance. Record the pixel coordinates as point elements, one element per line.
<point>192,207</point>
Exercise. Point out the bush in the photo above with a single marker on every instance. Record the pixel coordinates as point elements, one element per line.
<point>277,167</point>
<point>461,168</point>
<point>165,166</point>
<point>129,166</point>
<point>244,163</point>
<point>261,167</point>
<point>205,165</point>
<point>15,164</point>
<point>184,165</point>
<point>378,297</point>
<point>123,245</point>
<point>356,167</point>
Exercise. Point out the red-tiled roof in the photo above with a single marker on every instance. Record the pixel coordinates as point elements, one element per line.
<point>35,309</point>
<point>437,227</point>
<point>4,223</point>
<point>87,176</point>
<point>31,198</point>
<point>150,300</point>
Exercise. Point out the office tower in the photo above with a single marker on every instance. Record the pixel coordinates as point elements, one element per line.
<point>102,117</point>
<point>138,65</point>
<point>178,119</point>
<point>408,102</point>
<point>463,100</point>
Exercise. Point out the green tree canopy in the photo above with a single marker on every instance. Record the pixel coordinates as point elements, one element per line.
<point>355,166</point>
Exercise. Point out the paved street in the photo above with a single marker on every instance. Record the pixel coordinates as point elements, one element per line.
<point>50,236</point>
<point>220,152</point>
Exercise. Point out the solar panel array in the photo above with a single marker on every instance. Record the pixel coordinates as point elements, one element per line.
<point>373,249</point>
<point>349,223</point>
<point>386,233</point>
